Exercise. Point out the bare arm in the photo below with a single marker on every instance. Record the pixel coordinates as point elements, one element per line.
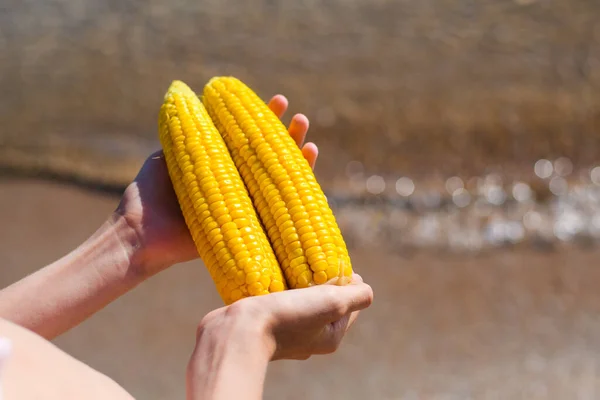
<point>66,292</point>
<point>145,235</point>
<point>37,369</point>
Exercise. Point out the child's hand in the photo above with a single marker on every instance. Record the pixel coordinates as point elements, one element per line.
<point>150,207</point>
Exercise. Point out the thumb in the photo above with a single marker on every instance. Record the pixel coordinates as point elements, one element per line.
<point>338,302</point>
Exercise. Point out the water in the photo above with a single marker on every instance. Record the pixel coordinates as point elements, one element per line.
<point>556,206</point>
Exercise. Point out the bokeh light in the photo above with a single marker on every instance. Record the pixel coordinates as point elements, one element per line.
<point>543,168</point>
<point>405,186</point>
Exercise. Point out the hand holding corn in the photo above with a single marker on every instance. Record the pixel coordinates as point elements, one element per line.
<point>257,215</point>
<point>235,343</point>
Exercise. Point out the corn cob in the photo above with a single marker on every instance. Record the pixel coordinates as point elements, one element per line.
<point>292,207</point>
<point>214,201</point>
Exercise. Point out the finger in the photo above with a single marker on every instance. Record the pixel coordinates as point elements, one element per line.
<point>339,328</point>
<point>333,334</point>
<point>356,297</point>
<point>336,301</point>
<point>320,304</point>
<point>352,318</point>
<point>298,128</point>
<point>310,151</point>
<point>278,104</point>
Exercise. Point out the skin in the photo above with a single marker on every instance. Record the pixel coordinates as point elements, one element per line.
<point>236,343</point>
<point>145,235</point>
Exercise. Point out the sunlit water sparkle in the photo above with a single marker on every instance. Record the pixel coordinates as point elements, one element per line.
<point>560,207</point>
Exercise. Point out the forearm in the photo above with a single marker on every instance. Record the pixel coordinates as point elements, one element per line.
<point>66,292</point>
<point>228,363</point>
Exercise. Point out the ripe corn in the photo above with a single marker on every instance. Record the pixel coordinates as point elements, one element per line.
<point>214,201</point>
<point>292,207</point>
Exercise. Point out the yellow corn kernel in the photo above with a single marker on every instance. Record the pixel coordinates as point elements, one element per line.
<point>292,207</point>
<point>214,201</point>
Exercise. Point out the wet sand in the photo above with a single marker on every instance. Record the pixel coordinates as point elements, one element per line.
<point>504,324</point>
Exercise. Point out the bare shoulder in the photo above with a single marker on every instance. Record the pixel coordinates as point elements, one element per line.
<point>35,368</point>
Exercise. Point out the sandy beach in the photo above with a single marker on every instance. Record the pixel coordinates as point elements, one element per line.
<point>506,324</point>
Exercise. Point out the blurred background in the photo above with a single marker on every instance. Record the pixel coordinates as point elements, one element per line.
<point>459,150</point>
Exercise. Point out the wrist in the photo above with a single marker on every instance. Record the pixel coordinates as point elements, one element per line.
<point>230,347</point>
<point>142,260</point>
<point>132,249</point>
<point>249,323</point>
<point>242,327</point>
